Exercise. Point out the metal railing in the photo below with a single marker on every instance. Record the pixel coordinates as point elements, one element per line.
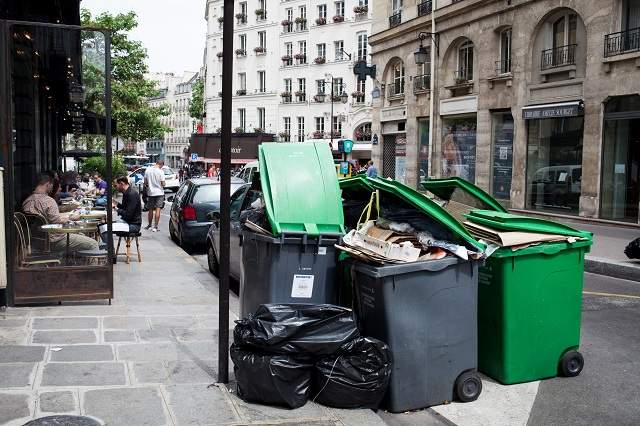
<point>421,83</point>
<point>503,66</point>
<point>395,89</point>
<point>463,76</point>
<point>622,42</point>
<point>395,20</point>
<point>425,8</point>
<point>558,57</point>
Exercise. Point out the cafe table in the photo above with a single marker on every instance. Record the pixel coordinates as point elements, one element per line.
<point>68,229</point>
<point>94,214</point>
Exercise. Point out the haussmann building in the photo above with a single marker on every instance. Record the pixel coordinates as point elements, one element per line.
<point>536,101</point>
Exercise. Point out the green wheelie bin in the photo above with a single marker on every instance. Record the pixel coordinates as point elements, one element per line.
<point>529,300</point>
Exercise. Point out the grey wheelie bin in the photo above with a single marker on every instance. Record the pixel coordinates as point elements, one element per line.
<point>297,264</point>
<point>425,311</point>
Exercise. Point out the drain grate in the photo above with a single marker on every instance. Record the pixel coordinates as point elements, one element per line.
<point>63,421</point>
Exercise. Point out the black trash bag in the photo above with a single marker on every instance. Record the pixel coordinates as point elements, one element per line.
<point>281,380</point>
<point>302,329</point>
<point>632,250</point>
<point>257,216</point>
<point>356,377</point>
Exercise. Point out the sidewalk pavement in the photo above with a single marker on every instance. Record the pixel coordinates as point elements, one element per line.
<point>146,360</point>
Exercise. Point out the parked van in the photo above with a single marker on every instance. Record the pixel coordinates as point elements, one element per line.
<point>248,171</point>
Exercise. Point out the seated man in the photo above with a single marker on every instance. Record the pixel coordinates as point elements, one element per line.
<point>100,189</point>
<point>130,210</point>
<point>41,203</point>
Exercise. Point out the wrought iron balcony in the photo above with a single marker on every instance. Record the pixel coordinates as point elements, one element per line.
<point>421,83</point>
<point>425,7</point>
<point>503,67</point>
<point>395,20</point>
<point>463,76</point>
<point>558,57</point>
<point>622,42</point>
<point>395,89</point>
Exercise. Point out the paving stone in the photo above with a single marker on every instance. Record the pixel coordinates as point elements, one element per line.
<point>156,335</point>
<point>70,337</point>
<point>167,351</point>
<point>265,413</point>
<point>361,417</point>
<point>119,336</point>
<point>13,407</point>
<point>14,336</point>
<point>127,406</point>
<point>197,405</point>
<point>17,375</point>
<point>13,322</point>
<point>195,334</point>
<point>176,372</point>
<point>64,323</point>
<point>84,374</point>
<point>174,321</point>
<point>57,402</point>
<point>82,353</point>
<point>14,353</point>
<point>124,323</point>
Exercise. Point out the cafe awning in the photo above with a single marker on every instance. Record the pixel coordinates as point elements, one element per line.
<point>557,110</point>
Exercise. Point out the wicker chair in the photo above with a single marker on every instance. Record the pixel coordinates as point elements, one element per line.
<point>26,258</point>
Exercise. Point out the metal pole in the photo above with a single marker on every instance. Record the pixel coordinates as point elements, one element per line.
<point>225,193</point>
<point>432,95</point>
<point>331,124</point>
<point>107,132</point>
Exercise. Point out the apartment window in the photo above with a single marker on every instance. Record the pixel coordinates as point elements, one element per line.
<point>363,2</point>
<point>288,47</point>
<point>396,6</point>
<point>338,46</point>
<point>290,18</point>
<point>287,129</point>
<point>262,39</point>
<point>262,5</point>
<point>242,81</point>
<point>262,81</point>
<point>362,87</point>
<point>302,89</point>
<point>242,118</point>
<point>339,8</point>
<point>337,126</point>
<point>243,11</point>
<point>322,11</point>
<point>505,52</point>
<point>261,118</point>
<point>322,50</point>
<point>242,41</point>
<point>320,124</point>
<point>398,79</point>
<point>287,85</point>
<point>337,86</point>
<point>300,129</point>
<point>465,61</point>
<point>302,49</point>
<point>362,46</point>
<point>320,86</point>
<point>302,13</point>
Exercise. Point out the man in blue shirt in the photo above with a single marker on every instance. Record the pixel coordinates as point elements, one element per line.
<point>101,190</point>
<point>372,171</point>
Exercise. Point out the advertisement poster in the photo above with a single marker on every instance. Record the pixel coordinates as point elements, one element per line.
<point>459,148</point>
<point>401,155</point>
<point>502,156</point>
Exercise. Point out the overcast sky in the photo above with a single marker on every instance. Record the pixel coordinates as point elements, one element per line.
<point>173,31</point>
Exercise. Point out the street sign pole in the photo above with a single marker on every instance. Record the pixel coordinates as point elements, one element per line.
<point>225,193</point>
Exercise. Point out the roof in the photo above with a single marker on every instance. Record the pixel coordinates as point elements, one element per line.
<point>209,181</point>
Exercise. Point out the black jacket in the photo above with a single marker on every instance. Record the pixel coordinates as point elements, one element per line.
<point>130,210</point>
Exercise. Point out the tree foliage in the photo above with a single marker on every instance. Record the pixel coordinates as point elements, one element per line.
<point>196,104</point>
<point>99,164</point>
<point>136,119</point>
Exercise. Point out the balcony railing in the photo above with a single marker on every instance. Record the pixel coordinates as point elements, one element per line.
<point>559,57</point>
<point>503,66</point>
<point>421,83</point>
<point>622,42</point>
<point>395,20</point>
<point>395,89</point>
<point>463,76</point>
<point>425,8</point>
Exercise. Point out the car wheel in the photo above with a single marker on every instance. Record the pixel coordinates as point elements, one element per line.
<point>212,260</point>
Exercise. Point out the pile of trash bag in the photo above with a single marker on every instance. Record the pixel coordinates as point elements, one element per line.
<point>632,250</point>
<point>286,354</point>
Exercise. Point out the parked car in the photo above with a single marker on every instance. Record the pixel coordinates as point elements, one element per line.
<point>240,200</point>
<point>189,222</point>
<point>172,180</point>
<point>248,171</point>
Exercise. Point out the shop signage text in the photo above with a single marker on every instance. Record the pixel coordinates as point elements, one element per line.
<point>551,112</point>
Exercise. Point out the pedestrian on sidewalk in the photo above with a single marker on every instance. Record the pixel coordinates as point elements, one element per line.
<point>154,182</point>
<point>372,171</point>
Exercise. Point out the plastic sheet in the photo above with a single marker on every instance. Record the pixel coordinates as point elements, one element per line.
<point>632,250</point>
<point>356,377</point>
<point>282,380</point>
<point>296,329</point>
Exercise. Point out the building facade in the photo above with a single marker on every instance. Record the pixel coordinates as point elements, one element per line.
<point>286,56</point>
<point>535,101</point>
<point>175,92</point>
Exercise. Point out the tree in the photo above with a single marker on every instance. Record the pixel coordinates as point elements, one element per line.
<point>136,119</point>
<point>196,104</point>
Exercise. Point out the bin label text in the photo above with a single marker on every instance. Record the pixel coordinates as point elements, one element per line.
<point>302,286</point>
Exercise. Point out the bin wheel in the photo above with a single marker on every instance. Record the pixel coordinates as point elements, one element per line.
<point>212,260</point>
<point>468,386</point>
<point>571,364</point>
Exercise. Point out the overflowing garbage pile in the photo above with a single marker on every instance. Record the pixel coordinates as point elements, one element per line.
<point>286,354</point>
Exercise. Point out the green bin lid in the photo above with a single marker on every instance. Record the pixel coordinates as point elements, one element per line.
<point>444,189</point>
<point>511,222</point>
<point>300,188</point>
<point>417,200</point>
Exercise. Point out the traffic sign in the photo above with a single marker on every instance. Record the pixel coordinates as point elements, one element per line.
<point>194,157</point>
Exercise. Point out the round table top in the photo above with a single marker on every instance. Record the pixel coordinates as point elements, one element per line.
<point>94,214</point>
<point>72,229</point>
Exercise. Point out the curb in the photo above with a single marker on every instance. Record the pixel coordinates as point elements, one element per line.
<point>610,268</point>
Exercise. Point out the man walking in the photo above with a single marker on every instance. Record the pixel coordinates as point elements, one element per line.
<point>372,171</point>
<point>154,182</point>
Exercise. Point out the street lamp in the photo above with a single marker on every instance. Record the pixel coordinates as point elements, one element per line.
<point>343,98</point>
<point>421,55</point>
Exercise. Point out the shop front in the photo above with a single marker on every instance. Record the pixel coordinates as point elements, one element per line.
<point>244,147</point>
<point>554,157</point>
<point>394,143</point>
<point>459,136</point>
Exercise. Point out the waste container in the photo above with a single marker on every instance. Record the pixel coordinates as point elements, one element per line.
<point>425,311</point>
<point>529,300</point>
<point>297,264</point>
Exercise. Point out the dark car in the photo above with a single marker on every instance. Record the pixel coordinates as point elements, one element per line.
<point>189,223</point>
<point>240,200</point>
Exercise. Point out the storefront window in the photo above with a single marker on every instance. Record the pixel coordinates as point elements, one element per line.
<point>459,147</point>
<point>423,151</point>
<point>401,158</point>
<point>621,160</point>
<point>502,166</point>
<point>554,164</point>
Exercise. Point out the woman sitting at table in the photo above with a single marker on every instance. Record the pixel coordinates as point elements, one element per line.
<point>39,202</point>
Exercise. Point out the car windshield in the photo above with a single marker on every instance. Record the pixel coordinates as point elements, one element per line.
<point>167,170</point>
<point>207,194</point>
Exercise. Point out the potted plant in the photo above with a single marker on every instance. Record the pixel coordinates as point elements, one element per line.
<point>318,98</point>
<point>338,18</point>
<point>359,134</point>
<point>260,13</point>
<point>257,130</point>
<point>361,9</point>
<point>220,54</point>
<point>241,92</point>
<point>299,56</point>
<point>300,20</point>
<point>259,49</point>
<point>238,130</point>
<point>286,58</point>
<point>220,19</point>
<point>220,94</point>
<point>241,52</point>
<point>285,94</point>
<point>218,129</point>
<point>357,94</point>
<point>321,21</point>
<point>318,134</point>
<point>336,134</point>
<point>241,17</point>
<point>300,94</point>
<point>284,135</point>
<point>320,60</point>
<point>285,23</point>
<point>335,98</point>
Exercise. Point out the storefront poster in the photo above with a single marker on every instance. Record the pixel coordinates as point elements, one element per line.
<point>401,154</point>
<point>502,156</point>
<point>459,148</point>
